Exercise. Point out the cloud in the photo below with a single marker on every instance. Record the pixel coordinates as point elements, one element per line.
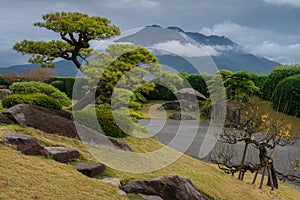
<point>283,48</point>
<point>186,50</point>
<point>292,3</point>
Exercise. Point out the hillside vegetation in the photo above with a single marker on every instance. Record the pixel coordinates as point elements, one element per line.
<point>29,177</point>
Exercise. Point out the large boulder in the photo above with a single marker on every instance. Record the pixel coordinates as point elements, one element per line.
<point>179,116</point>
<point>25,143</point>
<point>179,105</point>
<point>47,120</point>
<point>168,188</point>
<point>62,154</point>
<point>58,122</point>
<point>90,169</point>
<point>4,93</point>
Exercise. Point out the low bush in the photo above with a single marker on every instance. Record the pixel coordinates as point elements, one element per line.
<point>277,75</point>
<point>36,87</point>
<point>286,97</point>
<point>101,119</point>
<point>33,99</point>
<point>68,85</point>
<point>59,85</point>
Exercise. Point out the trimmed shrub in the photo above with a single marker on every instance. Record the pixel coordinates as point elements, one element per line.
<point>69,84</point>
<point>277,75</point>
<point>104,121</point>
<point>36,87</point>
<point>286,97</point>
<point>59,85</point>
<point>160,93</point>
<point>33,99</point>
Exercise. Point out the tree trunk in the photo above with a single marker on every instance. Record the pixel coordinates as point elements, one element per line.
<point>242,162</point>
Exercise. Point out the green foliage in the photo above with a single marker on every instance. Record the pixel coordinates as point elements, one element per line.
<point>59,85</point>
<point>160,93</point>
<point>36,87</point>
<point>277,75</point>
<point>259,80</point>
<point>197,82</point>
<point>125,64</point>
<point>75,31</point>
<point>239,86</point>
<point>101,119</point>
<point>286,97</point>
<point>68,85</point>
<point>33,99</point>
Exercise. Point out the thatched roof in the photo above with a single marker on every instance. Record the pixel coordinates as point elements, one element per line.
<point>191,91</point>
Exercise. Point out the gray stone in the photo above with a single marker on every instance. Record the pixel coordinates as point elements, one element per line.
<point>114,181</point>
<point>62,154</point>
<point>4,93</point>
<point>1,141</point>
<point>25,143</point>
<point>168,188</point>
<point>151,197</point>
<point>179,105</point>
<point>179,116</point>
<point>90,169</point>
<point>121,192</point>
<point>59,123</point>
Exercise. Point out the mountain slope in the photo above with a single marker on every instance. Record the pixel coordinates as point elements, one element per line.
<point>225,53</point>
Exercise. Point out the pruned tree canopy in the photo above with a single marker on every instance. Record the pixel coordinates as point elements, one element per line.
<point>75,30</point>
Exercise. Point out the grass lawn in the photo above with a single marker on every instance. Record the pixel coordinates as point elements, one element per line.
<point>31,177</point>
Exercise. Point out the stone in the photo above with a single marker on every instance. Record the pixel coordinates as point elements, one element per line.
<point>168,188</point>
<point>25,143</point>
<point>90,169</point>
<point>121,192</point>
<point>1,141</point>
<point>62,154</point>
<point>58,122</point>
<point>113,181</point>
<point>151,197</point>
<point>179,105</point>
<point>47,120</point>
<point>4,93</point>
<point>179,116</point>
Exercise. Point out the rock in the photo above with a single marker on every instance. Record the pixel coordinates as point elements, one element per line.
<point>179,116</point>
<point>1,141</point>
<point>168,188</point>
<point>114,181</point>
<point>59,123</point>
<point>25,143</point>
<point>90,169</point>
<point>151,197</point>
<point>179,105</point>
<point>62,154</point>
<point>44,119</point>
<point>4,93</point>
<point>121,192</point>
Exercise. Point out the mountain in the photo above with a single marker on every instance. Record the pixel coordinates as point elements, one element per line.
<point>63,68</point>
<point>191,52</point>
<point>186,51</point>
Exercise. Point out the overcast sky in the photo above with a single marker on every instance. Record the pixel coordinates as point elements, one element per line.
<point>269,28</point>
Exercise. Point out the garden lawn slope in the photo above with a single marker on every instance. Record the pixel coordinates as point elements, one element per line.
<point>31,177</point>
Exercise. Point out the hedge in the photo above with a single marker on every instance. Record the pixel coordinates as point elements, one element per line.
<point>37,87</point>
<point>33,99</point>
<point>68,84</point>
<point>277,75</point>
<point>286,97</point>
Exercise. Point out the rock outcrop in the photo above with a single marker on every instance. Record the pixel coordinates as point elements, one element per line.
<point>90,169</point>
<point>4,93</point>
<point>179,116</point>
<point>179,105</point>
<point>62,154</point>
<point>25,143</point>
<point>58,122</point>
<point>168,188</point>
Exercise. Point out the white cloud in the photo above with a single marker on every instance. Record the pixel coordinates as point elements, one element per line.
<point>187,50</point>
<point>275,46</point>
<point>293,3</point>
